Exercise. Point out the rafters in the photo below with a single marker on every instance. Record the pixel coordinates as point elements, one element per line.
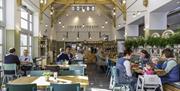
<point>83,1</point>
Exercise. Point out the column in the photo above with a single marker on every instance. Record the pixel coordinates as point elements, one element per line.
<point>155,22</point>
<point>131,31</point>
<point>12,25</point>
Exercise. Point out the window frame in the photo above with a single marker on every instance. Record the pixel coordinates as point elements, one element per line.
<point>2,27</point>
<point>28,32</point>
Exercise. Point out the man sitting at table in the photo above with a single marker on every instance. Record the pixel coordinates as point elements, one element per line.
<point>12,57</point>
<point>123,65</point>
<point>26,61</point>
<point>67,55</point>
<point>170,67</point>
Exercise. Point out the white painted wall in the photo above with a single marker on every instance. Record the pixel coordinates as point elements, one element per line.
<point>10,14</point>
<point>88,19</point>
<point>137,6</point>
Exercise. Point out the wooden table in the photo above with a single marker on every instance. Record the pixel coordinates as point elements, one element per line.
<point>42,83</point>
<point>159,72</point>
<point>168,87</point>
<point>66,66</point>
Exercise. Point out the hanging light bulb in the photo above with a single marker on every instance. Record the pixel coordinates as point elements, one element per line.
<point>124,1</point>
<point>114,13</point>
<point>83,25</point>
<point>51,13</point>
<point>41,1</point>
<point>83,10</point>
<point>106,22</point>
<point>102,26</point>
<point>59,22</point>
<point>45,1</point>
<point>119,25</point>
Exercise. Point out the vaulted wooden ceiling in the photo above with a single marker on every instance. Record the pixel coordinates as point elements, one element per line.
<point>67,3</point>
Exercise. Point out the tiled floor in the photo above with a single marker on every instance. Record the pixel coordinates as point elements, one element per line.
<point>97,79</point>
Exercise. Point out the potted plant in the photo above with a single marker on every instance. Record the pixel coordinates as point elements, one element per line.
<point>47,75</point>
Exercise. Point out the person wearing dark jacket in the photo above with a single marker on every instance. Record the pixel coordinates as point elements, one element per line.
<point>65,56</point>
<point>12,57</point>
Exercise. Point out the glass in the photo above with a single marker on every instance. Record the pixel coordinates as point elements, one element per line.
<point>1,54</point>
<point>1,3</point>
<point>24,14</point>
<point>1,14</point>
<point>30,18</point>
<point>30,40</point>
<point>30,26</point>
<point>22,50</point>
<point>24,24</point>
<point>23,40</point>
<point>30,50</point>
<point>1,36</point>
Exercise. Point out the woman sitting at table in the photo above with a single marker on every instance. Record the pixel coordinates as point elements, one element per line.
<point>157,63</point>
<point>144,58</point>
<point>123,65</point>
<point>170,67</point>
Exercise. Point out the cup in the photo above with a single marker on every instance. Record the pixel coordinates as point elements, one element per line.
<point>55,75</point>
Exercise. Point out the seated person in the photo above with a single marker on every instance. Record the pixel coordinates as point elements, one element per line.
<point>11,58</point>
<point>144,58</point>
<point>65,55</point>
<point>156,62</point>
<point>79,55</point>
<point>170,67</point>
<point>26,61</point>
<point>123,65</point>
<point>148,70</point>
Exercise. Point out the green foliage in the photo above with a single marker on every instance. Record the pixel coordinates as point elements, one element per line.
<point>47,74</point>
<point>153,41</point>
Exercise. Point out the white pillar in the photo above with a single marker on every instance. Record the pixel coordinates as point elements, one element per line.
<point>156,21</point>
<point>131,30</point>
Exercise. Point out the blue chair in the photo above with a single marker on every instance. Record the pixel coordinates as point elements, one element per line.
<point>37,72</point>
<point>10,71</point>
<point>109,66</point>
<point>119,80</point>
<point>21,87</point>
<point>77,67</point>
<point>78,62</point>
<point>70,73</point>
<point>65,87</point>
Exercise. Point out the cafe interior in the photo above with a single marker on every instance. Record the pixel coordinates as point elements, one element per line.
<point>90,45</point>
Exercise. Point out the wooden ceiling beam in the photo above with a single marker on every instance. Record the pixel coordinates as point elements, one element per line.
<point>45,6</point>
<point>84,1</point>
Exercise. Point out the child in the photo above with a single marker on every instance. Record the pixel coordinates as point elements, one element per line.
<point>148,70</point>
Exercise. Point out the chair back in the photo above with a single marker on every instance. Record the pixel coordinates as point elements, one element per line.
<point>152,82</point>
<point>52,68</point>
<point>78,62</point>
<point>77,67</point>
<point>37,72</point>
<point>65,87</point>
<point>113,78</point>
<point>21,87</point>
<point>121,74</point>
<point>9,69</point>
<point>151,79</point>
<point>70,73</point>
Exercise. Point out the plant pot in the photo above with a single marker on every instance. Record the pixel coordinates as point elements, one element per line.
<point>47,78</point>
